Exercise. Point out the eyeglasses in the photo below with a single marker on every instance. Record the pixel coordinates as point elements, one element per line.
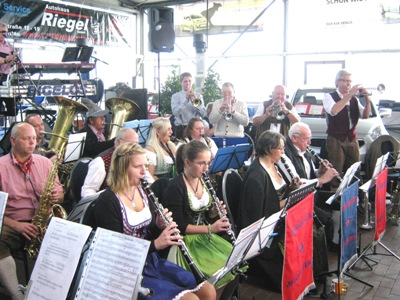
<point>280,148</point>
<point>306,139</point>
<point>345,80</point>
<point>202,163</point>
<point>3,32</point>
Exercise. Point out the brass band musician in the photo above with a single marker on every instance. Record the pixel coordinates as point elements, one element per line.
<point>275,114</point>
<point>96,138</point>
<point>186,104</point>
<point>23,176</point>
<point>195,131</point>
<point>229,114</point>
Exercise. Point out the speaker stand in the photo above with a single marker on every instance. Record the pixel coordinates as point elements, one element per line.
<point>159,84</point>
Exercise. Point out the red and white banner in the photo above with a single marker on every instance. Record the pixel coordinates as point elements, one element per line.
<point>380,204</point>
<point>297,277</point>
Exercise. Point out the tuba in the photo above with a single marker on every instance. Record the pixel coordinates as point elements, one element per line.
<point>45,211</point>
<point>122,110</point>
<point>67,110</point>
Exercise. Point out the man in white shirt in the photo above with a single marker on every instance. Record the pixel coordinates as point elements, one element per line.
<point>95,180</point>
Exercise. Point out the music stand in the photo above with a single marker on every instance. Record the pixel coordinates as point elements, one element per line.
<point>239,254</point>
<point>81,54</point>
<point>3,202</point>
<point>142,128</point>
<point>75,145</point>
<point>231,157</point>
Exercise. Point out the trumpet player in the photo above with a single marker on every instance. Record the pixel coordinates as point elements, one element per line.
<point>229,115</point>
<point>343,110</point>
<point>186,104</point>
<point>275,114</point>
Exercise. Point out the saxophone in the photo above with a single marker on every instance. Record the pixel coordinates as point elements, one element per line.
<point>46,210</point>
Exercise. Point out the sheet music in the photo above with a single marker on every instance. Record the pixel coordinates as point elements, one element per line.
<point>74,147</point>
<point>114,263</point>
<point>57,260</point>
<point>265,233</point>
<point>3,202</point>
<point>379,166</point>
<point>345,182</point>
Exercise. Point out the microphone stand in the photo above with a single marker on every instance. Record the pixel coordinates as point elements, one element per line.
<point>95,68</point>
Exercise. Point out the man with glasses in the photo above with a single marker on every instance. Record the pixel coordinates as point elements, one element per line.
<point>343,110</point>
<point>7,59</point>
<point>299,160</point>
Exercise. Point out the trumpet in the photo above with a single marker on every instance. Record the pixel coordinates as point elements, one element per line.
<point>192,97</point>
<point>277,111</point>
<point>227,114</point>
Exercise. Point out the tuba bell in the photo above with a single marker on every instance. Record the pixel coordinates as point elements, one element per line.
<point>122,110</point>
<point>67,110</point>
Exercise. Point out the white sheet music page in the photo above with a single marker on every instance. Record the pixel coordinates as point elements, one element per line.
<point>57,260</point>
<point>114,263</point>
<point>3,202</point>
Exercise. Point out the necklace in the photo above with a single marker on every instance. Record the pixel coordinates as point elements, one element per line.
<point>197,185</point>
<point>132,199</point>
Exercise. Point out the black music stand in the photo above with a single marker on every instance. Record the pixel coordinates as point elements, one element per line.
<point>81,54</point>
<point>231,157</point>
<point>142,128</point>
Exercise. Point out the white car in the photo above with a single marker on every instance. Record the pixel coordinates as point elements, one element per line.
<point>308,103</point>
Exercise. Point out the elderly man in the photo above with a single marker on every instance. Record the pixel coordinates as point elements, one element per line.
<point>96,138</point>
<point>295,150</point>
<point>343,110</point>
<point>264,120</point>
<point>182,105</point>
<point>229,114</point>
<point>98,168</point>
<point>23,175</point>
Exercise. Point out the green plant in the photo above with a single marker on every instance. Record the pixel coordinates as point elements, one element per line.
<point>211,90</point>
<point>172,85</point>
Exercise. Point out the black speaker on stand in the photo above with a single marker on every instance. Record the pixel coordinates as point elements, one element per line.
<point>161,37</point>
<point>162,33</point>
<point>139,96</point>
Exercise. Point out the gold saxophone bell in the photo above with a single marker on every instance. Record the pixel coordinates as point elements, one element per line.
<point>122,110</point>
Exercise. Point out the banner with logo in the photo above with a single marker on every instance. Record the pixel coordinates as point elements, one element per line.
<point>47,21</point>
<point>297,277</point>
<point>349,226</point>
<point>380,204</point>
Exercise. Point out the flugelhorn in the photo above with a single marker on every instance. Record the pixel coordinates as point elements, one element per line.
<point>277,111</point>
<point>122,110</point>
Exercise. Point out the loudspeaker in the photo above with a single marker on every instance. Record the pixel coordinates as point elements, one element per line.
<point>139,96</point>
<point>162,33</point>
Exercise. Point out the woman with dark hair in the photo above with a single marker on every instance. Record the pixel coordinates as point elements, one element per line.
<point>124,208</point>
<point>195,131</point>
<point>263,194</point>
<point>192,206</point>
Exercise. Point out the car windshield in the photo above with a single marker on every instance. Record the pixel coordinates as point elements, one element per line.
<point>309,103</point>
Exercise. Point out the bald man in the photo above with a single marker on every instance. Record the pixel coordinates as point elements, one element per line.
<point>95,180</point>
<point>264,120</point>
<point>22,176</point>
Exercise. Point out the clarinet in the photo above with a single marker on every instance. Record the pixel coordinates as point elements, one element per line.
<point>215,199</point>
<point>294,180</point>
<point>321,161</point>
<point>199,276</point>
